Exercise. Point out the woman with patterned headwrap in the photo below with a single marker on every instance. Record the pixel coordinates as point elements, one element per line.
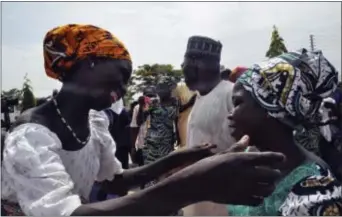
<point>271,100</point>
<point>57,150</point>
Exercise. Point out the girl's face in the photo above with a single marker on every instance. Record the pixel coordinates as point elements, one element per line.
<point>247,117</point>
<point>105,82</point>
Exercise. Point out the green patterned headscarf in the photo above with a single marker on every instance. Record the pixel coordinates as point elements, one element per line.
<point>294,88</point>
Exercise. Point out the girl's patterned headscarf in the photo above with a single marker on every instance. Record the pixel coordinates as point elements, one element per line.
<point>65,45</point>
<point>294,88</point>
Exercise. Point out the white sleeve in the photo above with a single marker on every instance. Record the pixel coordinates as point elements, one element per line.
<point>134,116</point>
<point>109,164</point>
<point>230,105</point>
<point>36,172</point>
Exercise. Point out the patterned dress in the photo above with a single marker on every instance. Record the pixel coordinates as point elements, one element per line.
<point>307,190</point>
<point>160,137</point>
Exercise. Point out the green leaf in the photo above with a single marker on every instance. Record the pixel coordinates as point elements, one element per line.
<point>277,46</point>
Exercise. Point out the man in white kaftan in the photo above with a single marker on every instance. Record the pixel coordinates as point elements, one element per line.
<point>208,121</point>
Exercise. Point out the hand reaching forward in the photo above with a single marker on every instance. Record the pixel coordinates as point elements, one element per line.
<point>234,177</point>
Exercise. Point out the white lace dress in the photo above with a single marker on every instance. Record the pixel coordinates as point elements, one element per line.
<point>46,180</point>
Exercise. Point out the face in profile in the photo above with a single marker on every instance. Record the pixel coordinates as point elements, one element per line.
<point>247,117</point>
<point>190,71</point>
<point>105,82</point>
<point>200,75</point>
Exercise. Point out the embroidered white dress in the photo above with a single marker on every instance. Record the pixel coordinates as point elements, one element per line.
<point>48,181</point>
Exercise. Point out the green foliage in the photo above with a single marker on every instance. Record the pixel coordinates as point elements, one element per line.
<point>277,45</point>
<point>28,100</point>
<point>13,93</point>
<point>149,75</point>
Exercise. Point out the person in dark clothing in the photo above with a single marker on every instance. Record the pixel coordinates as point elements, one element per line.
<point>225,74</point>
<point>120,132</point>
<point>141,138</point>
<point>133,104</point>
<point>119,128</point>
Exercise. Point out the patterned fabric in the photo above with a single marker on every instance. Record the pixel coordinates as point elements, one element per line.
<point>292,87</point>
<point>47,180</point>
<point>160,137</point>
<point>65,45</point>
<point>307,190</point>
<point>200,46</point>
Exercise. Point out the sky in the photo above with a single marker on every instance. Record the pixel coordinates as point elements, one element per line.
<point>157,32</point>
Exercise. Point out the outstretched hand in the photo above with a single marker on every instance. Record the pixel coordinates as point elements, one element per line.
<point>242,146</point>
<point>185,157</point>
<point>234,177</point>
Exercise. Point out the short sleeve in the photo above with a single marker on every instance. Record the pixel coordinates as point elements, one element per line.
<point>109,164</point>
<point>314,196</point>
<point>134,116</point>
<point>37,174</point>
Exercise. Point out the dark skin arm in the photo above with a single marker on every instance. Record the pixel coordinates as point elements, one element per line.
<point>177,132</point>
<point>133,137</point>
<point>136,176</point>
<point>142,115</point>
<point>188,104</point>
<point>156,200</point>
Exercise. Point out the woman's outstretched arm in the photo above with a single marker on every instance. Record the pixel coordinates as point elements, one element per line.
<point>160,199</point>
<point>136,176</point>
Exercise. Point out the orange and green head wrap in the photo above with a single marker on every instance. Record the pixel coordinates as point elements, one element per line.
<point>66,45</point>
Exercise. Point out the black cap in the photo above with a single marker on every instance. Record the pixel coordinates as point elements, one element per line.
<point>200,46</point>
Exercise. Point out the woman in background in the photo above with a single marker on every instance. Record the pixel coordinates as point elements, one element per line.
<point>160,137</point>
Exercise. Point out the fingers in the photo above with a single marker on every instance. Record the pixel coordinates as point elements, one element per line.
<point>262,190</point>
<point>254,201</point>
<point>204,149</point>
<point>196,153</point>
<point>241,145</point>
<point>262,179</point>
<point>256,194</point>
<point>263,158</point>
<point>205,146</point>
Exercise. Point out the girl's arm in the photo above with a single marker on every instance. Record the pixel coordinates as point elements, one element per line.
<point>160,199</point>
